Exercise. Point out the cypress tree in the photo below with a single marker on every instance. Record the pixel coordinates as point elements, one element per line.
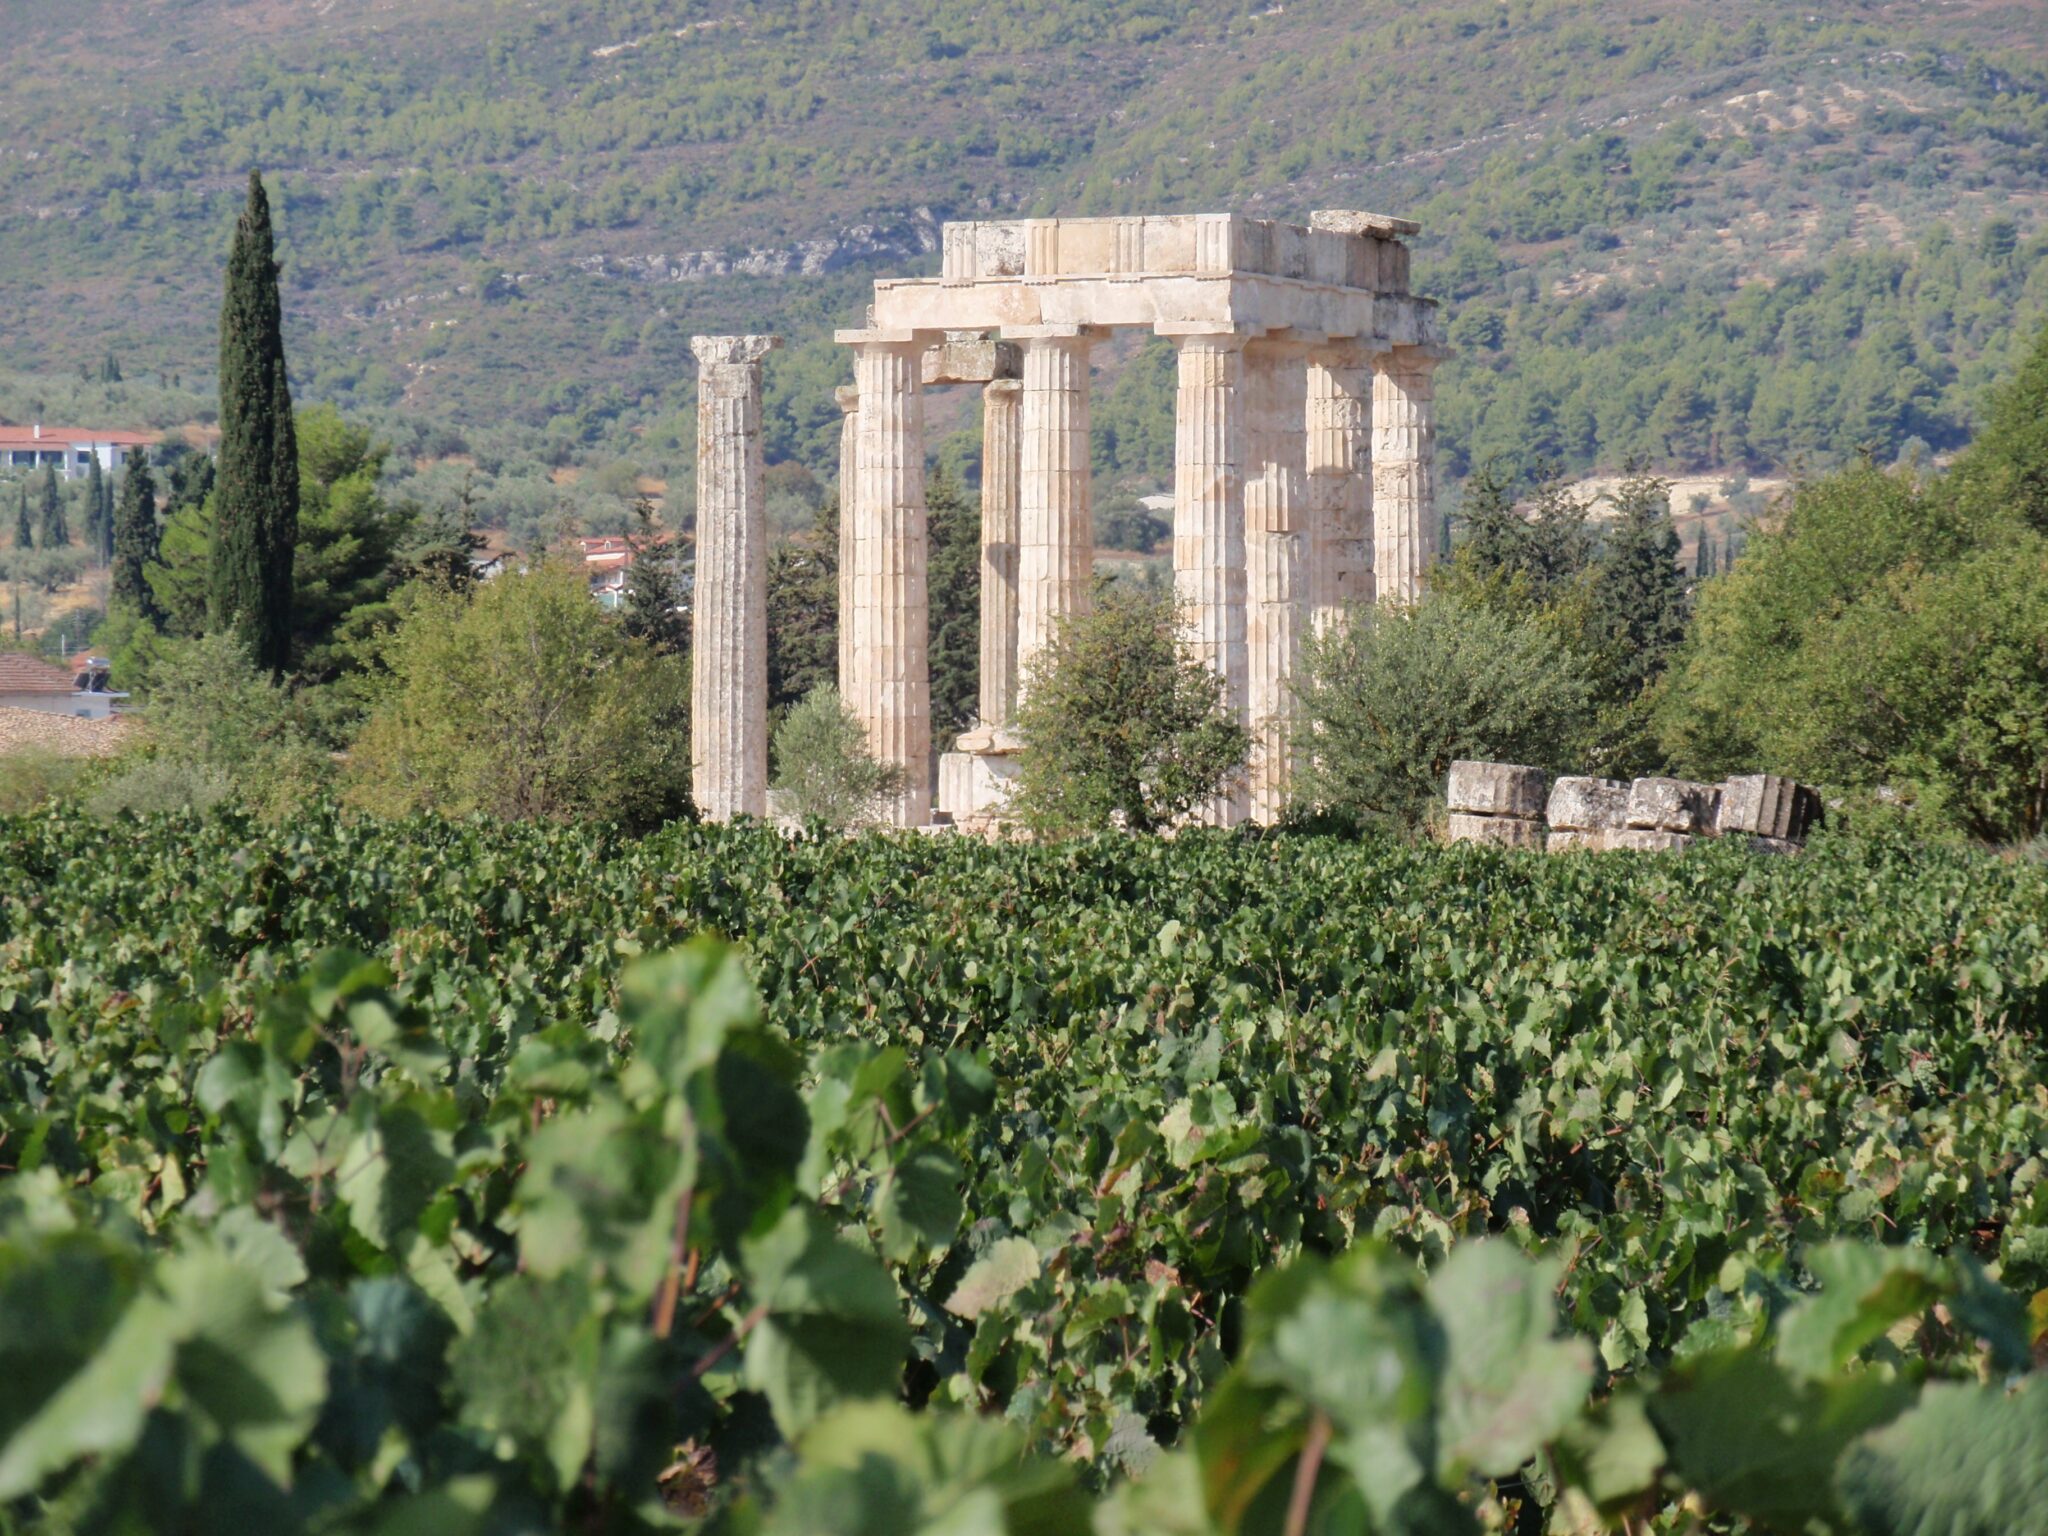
<point>96,531</point>
<point>24,532</point>
<point>256,499</point>
<point>135,538</point>
<point>1639,588</point>
<point>51,528</point>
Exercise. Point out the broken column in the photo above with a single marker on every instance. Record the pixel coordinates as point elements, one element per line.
<point>1208,523</point>
<point>1775,814</point>
<point>729,621</point>
<point>1496,803</point>
<point>1056,530</point>
<point>1405,530</point>
<point>1585,812</point>
<point>1339,407</point>
<point>1276,564</point>
<point>890,681</point>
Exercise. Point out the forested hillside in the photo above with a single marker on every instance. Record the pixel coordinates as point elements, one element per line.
<point>1730,237</point>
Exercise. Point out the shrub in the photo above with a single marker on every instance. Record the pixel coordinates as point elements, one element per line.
<point>1119,726</point>
<point>823,771</point>
<point>525,700</point>
<point>35,776</point>
<point>1390,698</point>
<point>151,784</point>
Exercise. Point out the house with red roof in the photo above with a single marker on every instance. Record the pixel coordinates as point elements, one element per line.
<point>68,450</point>
<point>81,691</point>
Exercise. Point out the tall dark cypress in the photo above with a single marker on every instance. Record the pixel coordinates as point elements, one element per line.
<point>52,530</point>
<point>24,530</point>
<point>135,537</point>
<point>256,497</point>
<point>96,529</point>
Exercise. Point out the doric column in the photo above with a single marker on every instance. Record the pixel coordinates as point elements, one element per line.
<point>1404,472</point>
<point>1275,561</point>
<point>1055,525</point>
<point>1340,561</point>
<point>891,695</point>
<point>729,619</point>
<point>1001,446</point>
<point>848,399</point>
<point>1208,520</point>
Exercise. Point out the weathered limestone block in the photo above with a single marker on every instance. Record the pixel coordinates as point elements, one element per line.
<point>1648,840</point>
<point>1774,845</point>
<point>1761,804</point>
<point>1582,804</point>
<point>1576,840</point>
<point>1496,789</point>
<point>1808,811</point>
<point>1497,831</point>
<point>972,357</point>
<point>1673,805</point>
<point>976,786</point>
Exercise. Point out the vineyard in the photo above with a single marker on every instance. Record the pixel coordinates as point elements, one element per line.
<point>458,1177</point>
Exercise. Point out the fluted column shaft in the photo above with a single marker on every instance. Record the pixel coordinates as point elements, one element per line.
<point>1001,504</point>
<point>891,693</point>
<point>729,609</point>
<point>1055,522</point>
<point>1405,530</point>
<point>1275,557</point>
<point>848,399</point>
<point>1208,521</point>
<point>1339,481</point>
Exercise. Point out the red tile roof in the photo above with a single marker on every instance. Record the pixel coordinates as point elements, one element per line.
<point>31,674</point>
<point>54,438</point>
<point>64,735</point>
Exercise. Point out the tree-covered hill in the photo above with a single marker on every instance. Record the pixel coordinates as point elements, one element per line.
<point>1726,236</point>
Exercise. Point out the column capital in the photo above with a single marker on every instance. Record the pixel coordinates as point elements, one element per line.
<point>1417,359</point>
<point>1010,387</point>
<point>712,350</point>
<point>847,398</point>
<point>1039,335</point>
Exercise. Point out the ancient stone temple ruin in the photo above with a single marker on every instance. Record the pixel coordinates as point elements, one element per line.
<point>1303,470</point>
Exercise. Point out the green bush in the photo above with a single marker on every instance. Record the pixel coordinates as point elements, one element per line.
<point>35,776</point>
<point>1390,698</point>
<point>823,771</point>
<point>524,699</point>
<point>1119,727</point>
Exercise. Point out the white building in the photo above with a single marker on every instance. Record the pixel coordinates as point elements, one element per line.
<point>80,690</point>
<point>68,450</point>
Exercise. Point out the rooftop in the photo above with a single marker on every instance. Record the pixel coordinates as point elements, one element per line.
<point>65,437</point>
<point>21,673</point>
<point>35,730</point>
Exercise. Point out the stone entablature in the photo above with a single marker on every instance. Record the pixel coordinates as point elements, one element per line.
<point>1339,249</point>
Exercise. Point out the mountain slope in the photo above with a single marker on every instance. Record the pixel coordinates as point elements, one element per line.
<point>1718,235</point>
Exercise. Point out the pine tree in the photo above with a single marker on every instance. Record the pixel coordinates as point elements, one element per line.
<point>442,544</point>
<point>135,538</point>
<point>655,595</point>
<point>178,575</point>
<point>1639,589</point>
<point>256,500</point>
<point>52,531</point>
<point>98,536</point>
<point>24,530</point>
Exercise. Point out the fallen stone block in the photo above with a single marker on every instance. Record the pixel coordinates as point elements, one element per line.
<point>1575,840</point>
<point>1499,831</point>
<point>1761,804</point>
<point>1496,789</point>
<point>1672,805</point>
<point>1581,804</point>
<point>1808,811</point>
<point>1774,845</point>
<point>1648,840</point>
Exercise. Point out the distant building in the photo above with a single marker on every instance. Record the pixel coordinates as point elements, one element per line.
<point>608,560</point>
<point>68,450</point>
<point>81,690</point>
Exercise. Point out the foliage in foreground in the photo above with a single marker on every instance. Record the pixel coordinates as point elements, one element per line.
<point>1064,1106</point>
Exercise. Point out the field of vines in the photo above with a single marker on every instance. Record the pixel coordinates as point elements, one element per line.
<point>464,1179</point>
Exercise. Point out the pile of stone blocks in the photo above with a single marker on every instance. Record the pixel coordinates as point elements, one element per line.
<point>1503,804</point>
<point>1497,803</point>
